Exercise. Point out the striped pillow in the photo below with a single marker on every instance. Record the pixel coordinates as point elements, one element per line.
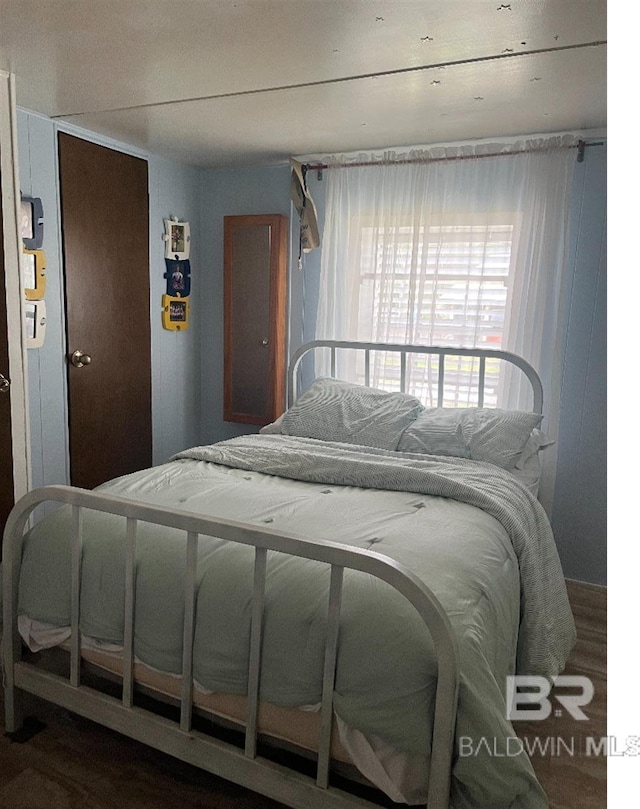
<point>333,410</point>
<point>491,435</point>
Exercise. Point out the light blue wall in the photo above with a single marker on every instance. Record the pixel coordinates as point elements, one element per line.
<point>47,370</point>
<point>175,355</point>
<point>173,191</point>
<point>580,503</point>
<point>228,193</point>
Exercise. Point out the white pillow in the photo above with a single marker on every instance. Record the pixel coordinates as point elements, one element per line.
<point>492,435</point>
<point>275,428</point>
<point>536,441</point>
<point>333,410</point>
<point>528,467</point>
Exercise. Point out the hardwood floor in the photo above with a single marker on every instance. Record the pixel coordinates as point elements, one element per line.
<point>75,764</point>
<point>577,781</point>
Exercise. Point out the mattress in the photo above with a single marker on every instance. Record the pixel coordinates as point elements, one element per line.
<point>359,757</point>
<point>471,532</point>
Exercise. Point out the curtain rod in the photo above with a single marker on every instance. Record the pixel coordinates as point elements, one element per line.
<point>319,167</point>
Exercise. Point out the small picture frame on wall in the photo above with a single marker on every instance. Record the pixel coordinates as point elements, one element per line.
<point>175,313</point>
<point>35,317</point>
<point>177,238</point>
<point>34,274</point>
<point>178,277</point>
<point>31,222</point>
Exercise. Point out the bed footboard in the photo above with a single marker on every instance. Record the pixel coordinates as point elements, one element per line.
<point>179,739</point>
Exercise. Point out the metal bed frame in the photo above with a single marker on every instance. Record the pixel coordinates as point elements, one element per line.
<point>180,739</point>
<point>483,354</point>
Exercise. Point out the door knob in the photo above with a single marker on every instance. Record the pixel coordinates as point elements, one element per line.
<point>5,384</point>
<point>265,342</point>
<point>80,359</point>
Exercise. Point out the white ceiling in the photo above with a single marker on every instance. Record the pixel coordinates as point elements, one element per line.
<point>251,82</point>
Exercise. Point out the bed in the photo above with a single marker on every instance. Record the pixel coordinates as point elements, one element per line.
<point>354,584</point>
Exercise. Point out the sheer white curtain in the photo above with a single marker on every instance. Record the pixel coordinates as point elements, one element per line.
<point>459,252</point>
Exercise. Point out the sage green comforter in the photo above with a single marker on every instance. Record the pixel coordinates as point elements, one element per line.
<point>471,532</point>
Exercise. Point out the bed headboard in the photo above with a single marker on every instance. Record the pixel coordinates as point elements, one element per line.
<point>404,350</point>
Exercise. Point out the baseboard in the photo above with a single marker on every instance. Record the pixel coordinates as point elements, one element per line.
<point>588,584</point>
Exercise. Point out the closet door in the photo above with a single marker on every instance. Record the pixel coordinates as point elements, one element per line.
<point>255,278</point>
<point>105,236</point>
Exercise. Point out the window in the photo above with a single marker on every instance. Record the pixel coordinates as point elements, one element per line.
<point>452,245</point>
<point>442,285</point>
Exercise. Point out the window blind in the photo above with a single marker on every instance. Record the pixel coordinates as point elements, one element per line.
<point>443,285</point>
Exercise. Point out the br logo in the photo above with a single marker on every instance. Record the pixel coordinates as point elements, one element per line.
<point>527,696</point>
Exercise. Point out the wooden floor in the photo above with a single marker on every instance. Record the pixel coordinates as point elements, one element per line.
<point>577,781</point>
<point>75,764</point>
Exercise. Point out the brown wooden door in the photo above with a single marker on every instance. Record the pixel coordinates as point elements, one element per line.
<point>255,277</point>
<point>6,454</point>
<point>105,238</point>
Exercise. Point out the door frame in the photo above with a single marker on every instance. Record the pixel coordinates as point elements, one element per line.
<point>10,198</point>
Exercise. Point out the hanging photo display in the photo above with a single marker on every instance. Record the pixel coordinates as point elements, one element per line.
<point>34,274</point>
<point>35,313</point>
<point>178,277</point>
<point>31,222</point>
<point>177,238</point>
<point>34,268</point>
<point>175,303</point>
<point>175,313</point>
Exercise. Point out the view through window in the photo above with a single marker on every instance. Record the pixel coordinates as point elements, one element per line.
<point>443,285</point>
